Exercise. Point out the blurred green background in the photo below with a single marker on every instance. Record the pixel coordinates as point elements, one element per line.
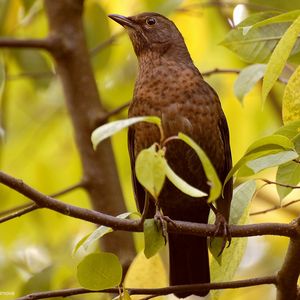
<point>37,139</point>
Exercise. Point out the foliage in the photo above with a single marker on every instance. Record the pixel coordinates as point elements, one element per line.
<point>37,145</point>
<point>99,271</point>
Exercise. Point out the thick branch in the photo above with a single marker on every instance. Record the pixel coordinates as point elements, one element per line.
<point>84,105</point>
<point>288,275</point>
<point>159,291</point>
<point>288,230</point>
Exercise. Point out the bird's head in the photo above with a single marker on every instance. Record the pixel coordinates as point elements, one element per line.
<point>153,32</point>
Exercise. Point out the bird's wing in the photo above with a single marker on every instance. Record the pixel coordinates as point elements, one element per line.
<point>224,203</point>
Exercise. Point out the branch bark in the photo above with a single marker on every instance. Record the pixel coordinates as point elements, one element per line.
<point>289,230</point>
<point>83,102</point>
<point>45,44</point>
<point>158,291</point>
<point>288,275</point>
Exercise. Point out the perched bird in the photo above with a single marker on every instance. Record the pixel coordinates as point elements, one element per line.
<point>171,87</point>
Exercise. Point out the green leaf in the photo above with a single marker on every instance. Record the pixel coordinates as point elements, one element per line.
<point>289,130</point>
<point>264,147</point>
<point>80,243</point>
<point>241,201</point>
<point>150,170</point>
<point>247,79</point>
<point>89,239</point>
<point>279,57</point>
<point>296,141</point>
<point>271,160</point>
<point>153,236</point>
<point>288,173</point>
<point>183,185</point>
<point>285,17</point>
<point>99,271</point>
<point>291,98</point>
<point>232,256</point>
<point>279,4</point>
<point>274,141</point>
<point>210,172</point>
<point>109,129</point>
<point>246,158</point>
<point>259,43</point>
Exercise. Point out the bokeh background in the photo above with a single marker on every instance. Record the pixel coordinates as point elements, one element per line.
<point>37,137</point>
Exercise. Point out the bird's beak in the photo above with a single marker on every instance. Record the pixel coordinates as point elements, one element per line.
<point>124,21</point>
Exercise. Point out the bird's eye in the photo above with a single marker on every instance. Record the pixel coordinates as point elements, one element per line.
<point>151,21</point>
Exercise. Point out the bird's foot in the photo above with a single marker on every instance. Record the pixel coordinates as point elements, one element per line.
<point>162,221</point>
<point>222,230</point>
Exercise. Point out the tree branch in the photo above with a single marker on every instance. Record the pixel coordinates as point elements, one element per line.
<point>233,71</point>
<point>46,44</point>
<point>84,105</point>
<point>274,208</point>
<point>19,213</point>
<point>158,291</point>
<point>288,230</point>
<point>288,275</point>
<point>220,71</point>
<point>69,189</point>
<point>28,207</point>
<point>280,184</point>
<point>289,209</point>
<point>106,43</point>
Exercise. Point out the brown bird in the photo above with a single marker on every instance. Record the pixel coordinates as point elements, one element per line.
<point>171,87</point>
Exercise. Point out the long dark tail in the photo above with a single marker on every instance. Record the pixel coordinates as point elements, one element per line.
<point>188,261</point>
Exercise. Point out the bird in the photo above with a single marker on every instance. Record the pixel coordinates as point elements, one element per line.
<point>170,86</point>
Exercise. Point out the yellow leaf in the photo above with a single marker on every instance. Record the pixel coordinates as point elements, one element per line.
<point>291,98</point>
<point>279,57</point>
<point>146,273</point>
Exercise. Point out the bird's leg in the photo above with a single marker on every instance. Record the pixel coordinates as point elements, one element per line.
<point>162,221</point>
<point>222,228</point>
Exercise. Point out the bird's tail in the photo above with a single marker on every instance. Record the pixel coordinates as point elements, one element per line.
<point>189,262</point>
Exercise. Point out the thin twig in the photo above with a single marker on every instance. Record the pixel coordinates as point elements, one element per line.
<point>34,75</point>
<point>37,43</point>
<point>46,43</point>
<point>280,184</point>
<point>111,113</point>
<point>233,71</point>
<point>106,43</point>
<point>26,208</point>
<point>69,189</point>
<point>14,209</point>
<point>158,291</point>
<point>274,208</point>
<point>220,71</point>
<point>19,213</point>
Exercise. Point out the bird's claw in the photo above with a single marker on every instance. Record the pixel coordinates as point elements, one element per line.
<point>223,231</point>
<point>162,221</point>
